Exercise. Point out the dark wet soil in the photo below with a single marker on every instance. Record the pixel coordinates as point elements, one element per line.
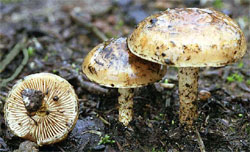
<point>58,35</point>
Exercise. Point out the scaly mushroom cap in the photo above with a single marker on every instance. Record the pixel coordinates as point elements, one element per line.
<point>189,37</point>
<point>111,64</point>
<point>53,121</point>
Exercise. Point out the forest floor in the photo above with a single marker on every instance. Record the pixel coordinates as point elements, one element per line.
<point>58,34</point>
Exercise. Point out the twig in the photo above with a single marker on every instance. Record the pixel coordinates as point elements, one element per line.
<point>89,26</point>
<point>83,145</point>
<point>89,86</point>
<point>97,32</point>
<point>200,141</point>
<point>118,145</point>
<point>62,150</point>
<point>92,87</point>
<point>13,53</point>
<point>92,132</point>
<point>18,70</point>
<point>103,120</point>
<point>244,87</point>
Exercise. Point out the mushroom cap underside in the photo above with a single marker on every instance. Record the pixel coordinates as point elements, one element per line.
<point>51,123</point>
<point>189,37</point>
<point>111,64</point>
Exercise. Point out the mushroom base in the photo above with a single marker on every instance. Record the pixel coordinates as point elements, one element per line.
<point>188,89</point>
<point>126,105</point>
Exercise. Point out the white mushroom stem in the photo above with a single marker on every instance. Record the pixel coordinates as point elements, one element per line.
<point>126,105</point>
<point>188,89</point>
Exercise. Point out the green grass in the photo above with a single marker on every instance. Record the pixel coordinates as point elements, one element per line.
<point>241,64</point>
<point>166,81</point>
<point>119,25</point>
<point>235,78</point>
<point>46,57</point>
<point>106,140</point>
<point>218,4</point>
<point>31,51</point>
<point>248,82</point>
<point>54,71</point>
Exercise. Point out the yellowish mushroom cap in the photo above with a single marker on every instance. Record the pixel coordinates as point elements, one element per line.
<point>56,117</point>
<point>189,37</point>
<point>111,64</point>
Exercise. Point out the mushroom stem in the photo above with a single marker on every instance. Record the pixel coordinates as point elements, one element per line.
<point>188,88</point>
<point>126,105</point>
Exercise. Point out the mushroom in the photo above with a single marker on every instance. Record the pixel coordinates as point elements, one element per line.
<point>188,39</point>
<point>32,113</point>
<point>111,64</point>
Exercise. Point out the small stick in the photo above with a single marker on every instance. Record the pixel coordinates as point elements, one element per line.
<point>91,27</point>
<point>89,86</point>
<point>18,70</point>
<point>103,120</point>
<point>62,150</point>
<point>200,141</point>
<point>92,87</point>
<point>119,145</point>
<point>13,53</point>
<point>92,132</point>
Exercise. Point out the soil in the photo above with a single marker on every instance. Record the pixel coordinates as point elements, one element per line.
<point>58,34</point>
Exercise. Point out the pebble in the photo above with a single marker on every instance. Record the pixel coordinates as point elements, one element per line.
<point>28,146</point>
<point>204,95</point>
<point>99,147</point>
<point>167,85</point>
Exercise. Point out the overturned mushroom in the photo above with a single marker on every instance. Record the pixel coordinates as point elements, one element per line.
<point>32,113</point>
<point>188,38</point>
<point>112,65</point>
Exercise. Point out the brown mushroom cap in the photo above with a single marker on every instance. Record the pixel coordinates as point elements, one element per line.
<point>189,37</point>
<point>111,64</point>
<point>54,120</point>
